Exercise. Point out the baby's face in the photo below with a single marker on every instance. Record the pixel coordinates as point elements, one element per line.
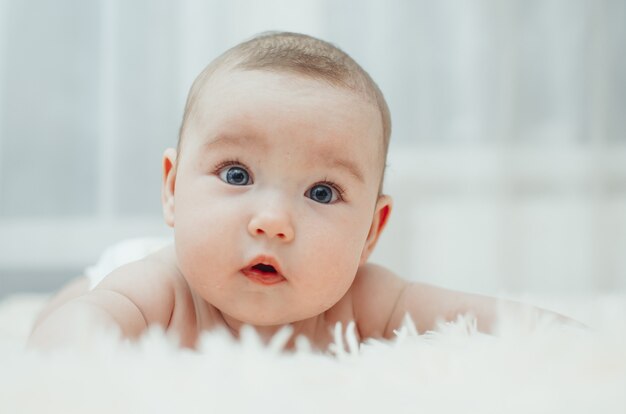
<point>275,193</point>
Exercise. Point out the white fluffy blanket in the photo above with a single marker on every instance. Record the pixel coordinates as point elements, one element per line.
<point>545,369</point>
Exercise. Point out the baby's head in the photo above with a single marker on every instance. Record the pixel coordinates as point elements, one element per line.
<point>301,55</point>
<point>274,191</point>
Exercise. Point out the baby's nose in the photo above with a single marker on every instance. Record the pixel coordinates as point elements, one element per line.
<point>272,224</point>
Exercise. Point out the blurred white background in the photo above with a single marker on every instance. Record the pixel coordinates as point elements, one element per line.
<point>508,154</point>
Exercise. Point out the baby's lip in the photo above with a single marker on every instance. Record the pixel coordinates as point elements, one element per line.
<point>265,261</point>
<point>265,270</point>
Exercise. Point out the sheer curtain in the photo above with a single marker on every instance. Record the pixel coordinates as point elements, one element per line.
<point>508,155</point>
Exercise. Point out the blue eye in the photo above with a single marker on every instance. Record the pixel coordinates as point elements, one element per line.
<point>235,176</point>
<point>322,193</point>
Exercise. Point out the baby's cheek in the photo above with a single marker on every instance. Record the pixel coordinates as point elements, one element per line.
<point>201,246</point>
<point>336,267</point>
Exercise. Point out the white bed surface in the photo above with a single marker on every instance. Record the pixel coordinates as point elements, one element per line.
<point>547,369</point>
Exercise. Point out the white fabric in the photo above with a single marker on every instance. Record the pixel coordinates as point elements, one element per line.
<point>547,369</point>
<point>122,253</point>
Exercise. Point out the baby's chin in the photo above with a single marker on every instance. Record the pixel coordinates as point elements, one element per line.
<point>266,320</point>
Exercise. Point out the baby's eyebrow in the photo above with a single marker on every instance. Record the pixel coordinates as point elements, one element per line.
<point>234,140</point>
<point>327,156</point>
<point>347,165</point>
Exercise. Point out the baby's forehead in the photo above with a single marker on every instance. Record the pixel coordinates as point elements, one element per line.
<point>245,93</point>
<point>291,87</point>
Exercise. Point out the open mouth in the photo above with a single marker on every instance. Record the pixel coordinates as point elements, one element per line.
<point>263,273</point>
<point>264,268</point>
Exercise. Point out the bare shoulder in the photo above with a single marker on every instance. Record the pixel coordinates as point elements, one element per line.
<point>381,299</point>
<point>151,284</point>
<point>134,296</point>
<point>374,295</point>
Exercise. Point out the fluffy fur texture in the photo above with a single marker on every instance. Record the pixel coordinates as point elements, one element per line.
<point>529,366</point>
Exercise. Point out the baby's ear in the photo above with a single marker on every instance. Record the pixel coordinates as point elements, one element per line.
<point>379,221</point>
<point>168,186</point>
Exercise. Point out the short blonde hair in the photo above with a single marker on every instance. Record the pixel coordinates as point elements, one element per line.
<point>301,54</point>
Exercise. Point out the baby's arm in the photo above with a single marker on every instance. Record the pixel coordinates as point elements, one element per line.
<point>381,300</point>
<point>126,301</point>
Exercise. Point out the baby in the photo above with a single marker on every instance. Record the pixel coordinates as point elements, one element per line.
<point>275,197</point>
